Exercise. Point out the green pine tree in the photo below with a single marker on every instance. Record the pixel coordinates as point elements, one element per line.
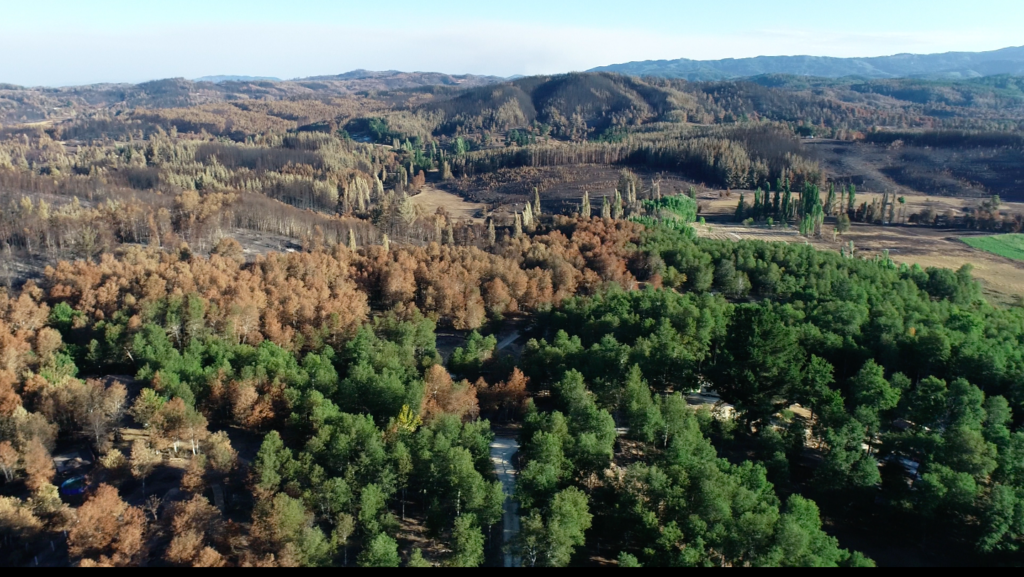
<point>467,543</point>
<point>382,551</point>
<point>740,210</point>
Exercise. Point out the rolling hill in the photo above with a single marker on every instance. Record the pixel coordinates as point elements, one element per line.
<point>34,104</point>
<point>598,100</point>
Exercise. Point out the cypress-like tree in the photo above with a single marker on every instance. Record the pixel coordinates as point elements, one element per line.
<point>740,210</point>
<point>818,219</point>
<point>810,198</point>
<point>585,206</point>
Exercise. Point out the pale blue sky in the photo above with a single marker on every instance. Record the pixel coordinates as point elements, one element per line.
<point>63,42</point>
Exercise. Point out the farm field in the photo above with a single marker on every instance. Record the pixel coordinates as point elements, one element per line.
<point>1006,245</point>
<point>1002,279</point>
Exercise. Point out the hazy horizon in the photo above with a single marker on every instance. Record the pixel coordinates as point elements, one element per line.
<point>117,41</point>
<point>425,71</point>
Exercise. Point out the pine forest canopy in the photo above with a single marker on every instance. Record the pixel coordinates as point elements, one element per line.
<point>233,296</point>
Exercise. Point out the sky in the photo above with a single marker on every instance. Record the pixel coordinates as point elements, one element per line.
<point>72,42</point>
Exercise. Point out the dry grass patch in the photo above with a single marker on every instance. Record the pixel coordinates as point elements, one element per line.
<point>430,199</point>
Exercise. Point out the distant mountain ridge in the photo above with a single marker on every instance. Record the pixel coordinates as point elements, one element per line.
<point>396,79</point>
<point>231,78</point>
<point>950,65</point>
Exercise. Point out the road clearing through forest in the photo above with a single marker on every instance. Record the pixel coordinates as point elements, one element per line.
<point>507,341</point>
<point>502,450</point>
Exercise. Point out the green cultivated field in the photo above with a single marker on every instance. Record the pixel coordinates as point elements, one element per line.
<point>1008,245</point>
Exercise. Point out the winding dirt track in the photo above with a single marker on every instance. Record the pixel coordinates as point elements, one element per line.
<point>502,450</point>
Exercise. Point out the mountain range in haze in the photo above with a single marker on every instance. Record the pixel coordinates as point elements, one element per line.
<point>20,104</point>
<point>231,78</point>
<point>390,79</point>
<point>950,65</point>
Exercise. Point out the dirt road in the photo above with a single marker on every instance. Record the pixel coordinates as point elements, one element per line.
<point>502,450</point>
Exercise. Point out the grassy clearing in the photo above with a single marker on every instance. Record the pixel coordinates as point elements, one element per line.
<point>1006,245</point>
<point>430,199</point>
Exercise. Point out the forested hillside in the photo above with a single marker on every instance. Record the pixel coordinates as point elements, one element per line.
<point>231,334</point>
<point>329,355</point>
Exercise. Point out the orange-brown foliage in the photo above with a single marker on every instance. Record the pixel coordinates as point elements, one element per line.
<point>442,396</point>
<point>324,295</point>
<point>192,481</point>
<point>196,524</point>
<point>38,465</point>
<point>108,528</point>
<point>505,399</point>
<point>279,296</point>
